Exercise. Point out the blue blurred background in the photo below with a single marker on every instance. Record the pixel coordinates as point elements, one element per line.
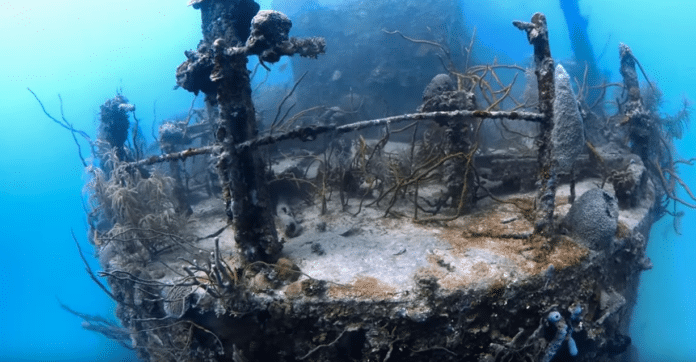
<point>87,51</point>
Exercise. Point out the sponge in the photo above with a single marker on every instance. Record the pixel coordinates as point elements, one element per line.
<point>568,134</point>
<point>561,332</point>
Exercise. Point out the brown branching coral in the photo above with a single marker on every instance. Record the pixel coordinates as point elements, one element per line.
<point>130,210</point>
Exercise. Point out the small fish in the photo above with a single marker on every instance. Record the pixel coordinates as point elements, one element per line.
<point>355,229</point>
<point>401,252</point>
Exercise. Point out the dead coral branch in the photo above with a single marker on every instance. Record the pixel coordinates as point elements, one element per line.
<point>65,124</point>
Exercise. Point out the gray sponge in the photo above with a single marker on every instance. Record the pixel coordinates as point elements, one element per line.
<point>593,219</point>
<point>568,130</point>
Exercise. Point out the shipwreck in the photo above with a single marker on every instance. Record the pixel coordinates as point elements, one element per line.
<point>504,217</point>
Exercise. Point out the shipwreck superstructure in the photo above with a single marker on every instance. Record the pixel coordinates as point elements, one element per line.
<point>497,220</point>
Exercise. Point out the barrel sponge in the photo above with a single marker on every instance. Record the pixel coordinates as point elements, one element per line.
<point>568,134</point>
<point>593,219</point>
<point>439,84</point>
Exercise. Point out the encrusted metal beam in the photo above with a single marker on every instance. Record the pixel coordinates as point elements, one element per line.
<point>219,69</point>
<point>538,36</point>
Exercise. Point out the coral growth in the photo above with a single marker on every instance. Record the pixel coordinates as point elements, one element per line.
<point>132,214</point>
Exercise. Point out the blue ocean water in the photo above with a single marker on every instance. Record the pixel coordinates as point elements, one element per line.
<point>87,55</point>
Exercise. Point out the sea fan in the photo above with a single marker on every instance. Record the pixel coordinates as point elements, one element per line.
<point>674,125</point>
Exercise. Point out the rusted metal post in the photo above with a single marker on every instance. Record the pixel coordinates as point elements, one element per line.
<point>637,117</point>
<point>630,77</point>
<point>538,36</point>
<point>219,69</point>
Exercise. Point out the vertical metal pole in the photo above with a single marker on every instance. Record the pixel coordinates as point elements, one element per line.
<point>538,36</point>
